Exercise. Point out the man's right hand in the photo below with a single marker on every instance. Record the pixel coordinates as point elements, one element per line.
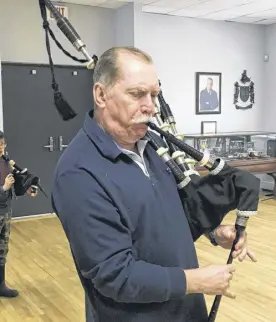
<point>210,280</point>
<point>9,181</point>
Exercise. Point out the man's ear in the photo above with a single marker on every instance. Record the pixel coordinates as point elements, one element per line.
<point>99,95</point>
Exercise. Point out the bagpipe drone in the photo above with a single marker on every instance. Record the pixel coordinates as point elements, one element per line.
<point>206,199</point>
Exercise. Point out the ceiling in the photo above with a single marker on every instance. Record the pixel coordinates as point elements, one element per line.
<point>245,11</point>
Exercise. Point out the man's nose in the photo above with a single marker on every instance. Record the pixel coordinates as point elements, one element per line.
<point>148,104</point>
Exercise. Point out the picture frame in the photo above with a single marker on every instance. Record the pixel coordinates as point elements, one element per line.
<point>208,127</point>
<point>208,93</point>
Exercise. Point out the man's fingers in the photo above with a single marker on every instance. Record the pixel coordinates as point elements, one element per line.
<point>251,255</point>
<point>231,268</point>
<point>236,253</point>
<point>242,240</point>
<point>243,254</point>
<point>229,294</point>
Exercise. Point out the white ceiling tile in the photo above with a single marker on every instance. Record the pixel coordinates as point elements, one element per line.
<point>221,15</point>
<point>245,19</point>
<point>245,9</point>
<point>154,9</point>
<point>177,4</point>
<point>86,2</point>
<point>145,2</point>
<point>111,4</point>
<point>234,7</point>
<point>265,14</point>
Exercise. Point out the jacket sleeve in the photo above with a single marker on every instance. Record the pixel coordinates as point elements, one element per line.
<point>4,195</point>
<point>102,244</point>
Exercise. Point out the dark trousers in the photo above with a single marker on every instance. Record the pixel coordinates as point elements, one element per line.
<point>5,224</point>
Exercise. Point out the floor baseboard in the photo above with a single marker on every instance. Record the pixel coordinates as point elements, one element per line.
<point>32,217</point>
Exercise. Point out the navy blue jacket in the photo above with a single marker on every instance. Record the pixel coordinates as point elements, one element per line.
<point>128,232</point>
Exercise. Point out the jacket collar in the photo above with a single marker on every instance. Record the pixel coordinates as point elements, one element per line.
<point>100,138</point>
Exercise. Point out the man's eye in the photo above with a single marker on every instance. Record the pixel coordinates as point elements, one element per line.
<point>138,94</point>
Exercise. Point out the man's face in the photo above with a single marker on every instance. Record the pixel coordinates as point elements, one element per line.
<point>2,147</point>
<point>209,84</point>
<point>130,103</point>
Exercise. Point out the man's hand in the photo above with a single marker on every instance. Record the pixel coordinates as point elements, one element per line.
<point>225,235</point>
<point>210,280</point>
<point>9,181</point>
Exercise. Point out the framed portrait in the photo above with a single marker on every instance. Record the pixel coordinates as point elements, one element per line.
<point>208,127</point>
<point>208,93</point>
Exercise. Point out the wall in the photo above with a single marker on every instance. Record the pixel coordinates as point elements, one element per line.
<point>129,15</point>
<point>181,46</point>
<point>269,112</point>
<point>269,108</point>
<point>124,17</point>
<point>24,38</point>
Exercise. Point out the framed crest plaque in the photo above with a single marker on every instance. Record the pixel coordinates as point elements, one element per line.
<point>244,96</point>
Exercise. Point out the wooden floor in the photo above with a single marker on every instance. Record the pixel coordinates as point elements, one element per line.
<point>41,268</point>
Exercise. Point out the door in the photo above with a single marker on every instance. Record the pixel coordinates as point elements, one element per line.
<point>31,121</point>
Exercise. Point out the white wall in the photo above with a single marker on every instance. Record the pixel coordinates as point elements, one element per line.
<point>125,17</point>
<point>181,46</point>
<point>269,111</point>
<point>129,15</point>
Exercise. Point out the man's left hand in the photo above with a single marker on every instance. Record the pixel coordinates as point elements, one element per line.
<point>225,235</point>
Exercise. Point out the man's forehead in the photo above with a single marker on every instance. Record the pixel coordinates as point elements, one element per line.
<point>144,86</point>
<point>137,73</point>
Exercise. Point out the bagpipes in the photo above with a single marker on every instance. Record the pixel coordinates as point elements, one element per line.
<point>24,180</point>
<point>206,200</point>
<point>209,198</point>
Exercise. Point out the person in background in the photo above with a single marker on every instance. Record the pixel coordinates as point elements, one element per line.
<point>121,211</point>
<point>209,97</point>
<point>6,196</point>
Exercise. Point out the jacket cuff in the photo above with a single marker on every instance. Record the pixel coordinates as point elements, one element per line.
<point>177,280</point>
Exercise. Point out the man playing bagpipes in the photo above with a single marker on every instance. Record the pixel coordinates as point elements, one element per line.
<point>7,193</point>
<point>120,208</point>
